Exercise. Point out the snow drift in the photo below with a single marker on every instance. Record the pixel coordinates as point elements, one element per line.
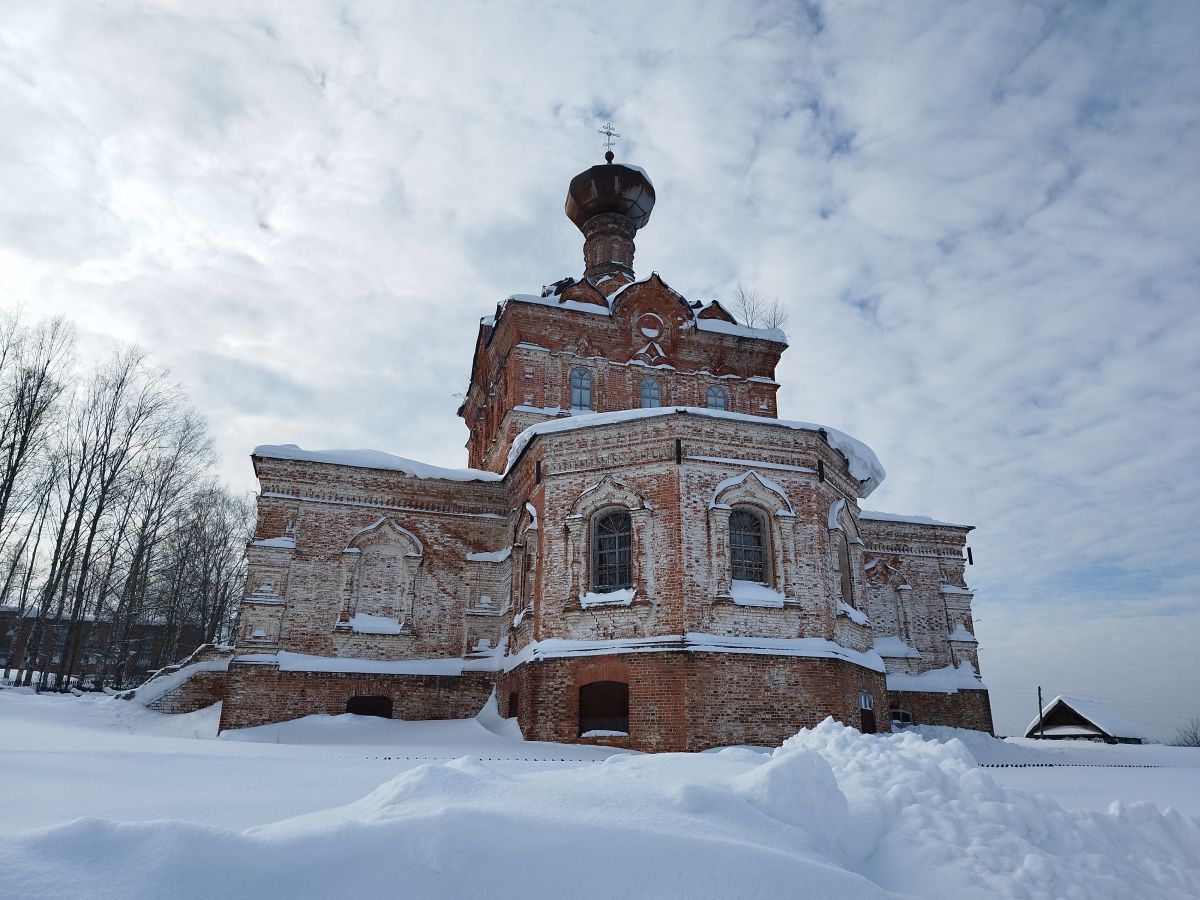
<point>843,814</point>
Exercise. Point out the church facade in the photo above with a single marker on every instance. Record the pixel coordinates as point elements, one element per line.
<point>641,553</point>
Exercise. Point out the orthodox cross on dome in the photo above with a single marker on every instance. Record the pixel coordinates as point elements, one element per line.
<point>609,134</point>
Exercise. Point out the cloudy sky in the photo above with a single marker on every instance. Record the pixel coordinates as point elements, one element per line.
<point>983,218</point>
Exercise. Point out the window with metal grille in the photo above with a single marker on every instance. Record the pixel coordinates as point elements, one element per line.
<point>747,549</point>
<point>581,388</point>
<point>649,395</point>
<point>612,544</point>
<point>715,398</point>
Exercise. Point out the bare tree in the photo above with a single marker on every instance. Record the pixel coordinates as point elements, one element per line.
<point>1188,734</point>
<point>118,549</point>
<point>32,378</point>
<point>754,308</point>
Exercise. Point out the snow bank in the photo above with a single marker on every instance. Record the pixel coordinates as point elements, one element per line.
<point>832,813</point>
<point>372,459</point>
<point>863,463</point>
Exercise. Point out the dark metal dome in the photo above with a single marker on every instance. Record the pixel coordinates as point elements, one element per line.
<point>610,188</point>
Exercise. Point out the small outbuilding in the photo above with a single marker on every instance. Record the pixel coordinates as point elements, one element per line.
<point>1069,718</point>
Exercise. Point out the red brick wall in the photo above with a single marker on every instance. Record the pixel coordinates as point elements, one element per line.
<point>200,690</point>
<point>261,694</point>
<point>693,701</point>
<point>506,375</point>
<point>965,709</point>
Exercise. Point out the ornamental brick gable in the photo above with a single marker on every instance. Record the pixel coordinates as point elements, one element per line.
<point>641,552</point>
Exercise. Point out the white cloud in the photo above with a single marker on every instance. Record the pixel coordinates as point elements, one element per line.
<point>982,215</point>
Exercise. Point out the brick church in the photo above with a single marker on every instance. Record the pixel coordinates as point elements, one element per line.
<point>642,553</point>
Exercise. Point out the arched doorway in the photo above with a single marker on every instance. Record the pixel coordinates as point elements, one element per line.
<point>363,705</point>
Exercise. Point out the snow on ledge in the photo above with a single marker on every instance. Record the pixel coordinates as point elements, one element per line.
<point>858,617</point>
<point>960,633</point>
<point>372,459</point>
<point>364,623</point>
<point>622,597</point>
<point>158,686</point>
<point>603,733</point>
<point>285,543</point>
<point>493,556</point>
<point>949,680</point>
<point>955,589</point>
<point>751,593</point>
<point>695,642</point>
<point>863,463</point>
<point>894,648</point>
<point>287,661</point>
<point>912,520</point>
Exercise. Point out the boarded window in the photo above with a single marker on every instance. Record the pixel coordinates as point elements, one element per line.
<point>604,706</point>
<point>747,548</point>
<point>649,395</point>
<point>581,388</point>
<point>363,705</point>
<point>901,716</point>
<point>847,580</point>
<point>612,552</point>
<point>715,398</point>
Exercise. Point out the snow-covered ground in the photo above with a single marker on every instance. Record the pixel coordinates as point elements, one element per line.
<point>104,798</point>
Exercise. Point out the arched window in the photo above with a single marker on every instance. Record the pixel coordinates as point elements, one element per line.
<point>604,709</point>
<point>649,396</point>
<point>581,388</point>
<point>715,398</point>
<point>612,545</point>
<point>747,547</point>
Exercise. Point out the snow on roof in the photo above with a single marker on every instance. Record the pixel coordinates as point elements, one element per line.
<point>949,680</point>
<point>372,459</point>
<point>864,464</point>
<point>1095,712</point>
<point>553,300</point>
<point>720,326</point>
<point>915,520</point>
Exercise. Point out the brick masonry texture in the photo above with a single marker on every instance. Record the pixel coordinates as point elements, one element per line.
<point>267,695</point>
<point>966,709</point>
<point>371,564</point>
<point>200,690</point>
